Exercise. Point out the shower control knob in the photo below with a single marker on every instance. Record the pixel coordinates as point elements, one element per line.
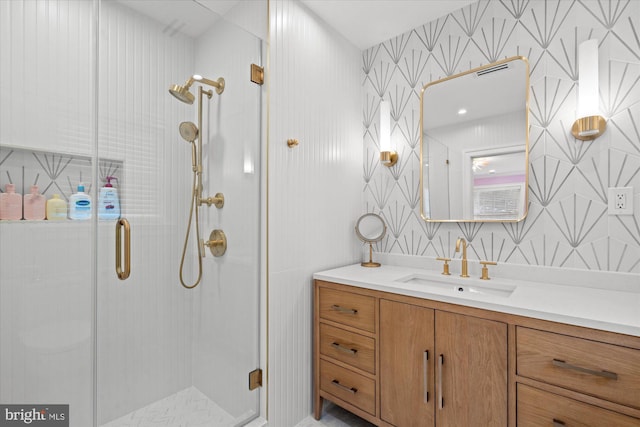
<point>217,201</point>
<point>217,243</point>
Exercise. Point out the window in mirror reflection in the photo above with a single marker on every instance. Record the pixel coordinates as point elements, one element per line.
<point>498,186</point>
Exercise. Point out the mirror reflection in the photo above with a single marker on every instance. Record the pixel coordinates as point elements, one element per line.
<point>474,152</point>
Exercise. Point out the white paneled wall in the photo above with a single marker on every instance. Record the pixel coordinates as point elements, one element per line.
<point>314,189</point>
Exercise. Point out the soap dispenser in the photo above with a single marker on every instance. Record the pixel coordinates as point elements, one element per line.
<point>108,202</point>
<point>10,203</point>
<point>80,204</point>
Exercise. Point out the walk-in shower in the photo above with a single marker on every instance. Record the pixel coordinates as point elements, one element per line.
<point>191,133</point>
<point>142,351</point>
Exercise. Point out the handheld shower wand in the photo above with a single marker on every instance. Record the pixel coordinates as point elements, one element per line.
<point>190,133</point>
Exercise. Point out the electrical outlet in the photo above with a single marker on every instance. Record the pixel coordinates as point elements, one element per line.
<point>621,201</point>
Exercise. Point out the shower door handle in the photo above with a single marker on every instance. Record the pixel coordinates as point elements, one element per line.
<point>123,273</point>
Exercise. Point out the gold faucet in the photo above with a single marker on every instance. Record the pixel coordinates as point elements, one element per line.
<point>464,272</point>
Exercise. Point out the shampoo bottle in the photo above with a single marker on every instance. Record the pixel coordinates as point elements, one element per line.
<point>34,204</point>
<point>56,208</point>
<point>108,202</point>
<point>10,203</point>
<point>80,204</point>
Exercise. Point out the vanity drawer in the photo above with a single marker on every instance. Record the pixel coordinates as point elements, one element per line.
<point>537,408</point>
<point>348,308</point>
<point>348,347</point>
<point>353,388</point>
<point>594,368</point>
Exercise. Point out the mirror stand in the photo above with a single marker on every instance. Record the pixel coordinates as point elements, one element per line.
<point>370,263</point>
<point>370,228</point>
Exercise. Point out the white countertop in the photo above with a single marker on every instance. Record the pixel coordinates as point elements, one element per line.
<point>598,308</point>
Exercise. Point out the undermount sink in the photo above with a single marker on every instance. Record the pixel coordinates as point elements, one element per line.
<point>456,287</point>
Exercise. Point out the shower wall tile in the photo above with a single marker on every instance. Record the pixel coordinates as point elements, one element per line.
<point>314,192</point>
<point>567,225</point>
<point>45,315</point>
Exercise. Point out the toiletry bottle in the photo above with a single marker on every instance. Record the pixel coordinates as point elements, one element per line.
<point>34,204</point>
<point>80,204</point>
<point>108,202</point>
<point>56,208</point>
<point>10,203</point>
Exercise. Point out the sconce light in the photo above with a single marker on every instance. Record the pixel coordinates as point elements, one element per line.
<point>388,157</point>
<point>590,124</point>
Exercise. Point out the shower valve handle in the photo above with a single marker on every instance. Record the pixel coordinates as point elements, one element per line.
<point>217,201</point>
<point>217,243</point>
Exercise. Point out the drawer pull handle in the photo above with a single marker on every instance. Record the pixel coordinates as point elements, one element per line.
<point>558,423</point>
<point>344,349</point>
<point>344,310</point>
<point>425,374</point>
<point>351,390</point>
<point>603,374</point>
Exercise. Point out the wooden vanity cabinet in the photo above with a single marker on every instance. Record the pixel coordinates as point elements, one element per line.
<point>441,368</point>
<point>402,361</point>
<point>407,355</point>
<point>345,329</point>
<point>594,376</point>
<point>472,353</point>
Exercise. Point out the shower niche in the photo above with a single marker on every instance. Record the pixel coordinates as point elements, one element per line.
<point>55,172</point>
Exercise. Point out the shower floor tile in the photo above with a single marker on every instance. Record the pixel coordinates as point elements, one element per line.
<point>187,408</point>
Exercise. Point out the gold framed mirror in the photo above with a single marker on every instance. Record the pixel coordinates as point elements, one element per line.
<point>474,154</point>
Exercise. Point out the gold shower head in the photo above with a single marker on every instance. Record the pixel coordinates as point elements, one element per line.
<point>183,94</point>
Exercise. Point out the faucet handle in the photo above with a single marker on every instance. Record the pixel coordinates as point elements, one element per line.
<point>485,269</point>
<point>445,267</point>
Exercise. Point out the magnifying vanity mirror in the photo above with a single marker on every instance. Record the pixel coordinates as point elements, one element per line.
<point>370,228</point>
<point>475,144</point>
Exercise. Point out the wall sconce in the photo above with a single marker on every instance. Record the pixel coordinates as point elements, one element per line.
<point>590,124</point>
<point>388,157</point>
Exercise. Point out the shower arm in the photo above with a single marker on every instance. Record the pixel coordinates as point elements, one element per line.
<point>218,84</point>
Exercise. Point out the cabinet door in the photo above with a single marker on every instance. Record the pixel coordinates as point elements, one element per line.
<point>406,364</point>
<point>471,366</point>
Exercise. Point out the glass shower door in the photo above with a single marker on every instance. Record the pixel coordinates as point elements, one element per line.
<point>164,351</point>
<point>85,97</point>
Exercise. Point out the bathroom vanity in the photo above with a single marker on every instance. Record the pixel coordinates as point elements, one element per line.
<point>404,347</point>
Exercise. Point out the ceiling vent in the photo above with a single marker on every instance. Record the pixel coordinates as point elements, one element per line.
<point>491,70</point>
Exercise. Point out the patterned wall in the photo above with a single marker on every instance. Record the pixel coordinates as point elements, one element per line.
<point>568,224</point>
